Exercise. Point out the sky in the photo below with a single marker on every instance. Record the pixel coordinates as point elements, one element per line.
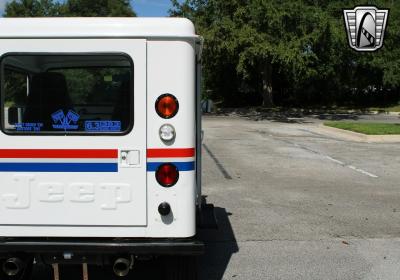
<point>151,8</point>
<point>144,8</point>
<point>2,6</point>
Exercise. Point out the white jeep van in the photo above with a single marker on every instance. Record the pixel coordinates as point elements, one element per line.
<point>100,144</point>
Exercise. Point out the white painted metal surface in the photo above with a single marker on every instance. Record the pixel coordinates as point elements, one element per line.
<point>80,198</point>
<point>122,204</point>
<point>96,27</point>
<point>171,66</point>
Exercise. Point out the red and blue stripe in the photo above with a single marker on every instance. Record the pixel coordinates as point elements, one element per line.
<point>87,160</point>
<point>58,160</point>
<point>183,159</point>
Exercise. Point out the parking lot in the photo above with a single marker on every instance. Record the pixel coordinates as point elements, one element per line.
<point>294,203</point>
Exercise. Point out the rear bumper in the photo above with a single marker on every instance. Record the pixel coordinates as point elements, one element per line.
<point>139,247</point>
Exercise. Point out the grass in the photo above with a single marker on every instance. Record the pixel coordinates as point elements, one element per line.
<point>367,128</point>
<point>338,109</point>
<point>386,109</point>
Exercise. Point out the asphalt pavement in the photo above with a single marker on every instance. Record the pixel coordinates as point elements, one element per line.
<point>293,203</point>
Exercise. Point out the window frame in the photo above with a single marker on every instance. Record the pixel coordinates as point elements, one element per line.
<point>127,131</point>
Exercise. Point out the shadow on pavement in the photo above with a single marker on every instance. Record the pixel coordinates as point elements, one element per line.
<point>220,246</point>
<point>285,115</point>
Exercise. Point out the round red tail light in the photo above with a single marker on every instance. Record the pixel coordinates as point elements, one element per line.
<point>167,175</point>
<point>167,106</point>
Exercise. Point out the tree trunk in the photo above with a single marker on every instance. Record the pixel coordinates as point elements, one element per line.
<point>266,92</point>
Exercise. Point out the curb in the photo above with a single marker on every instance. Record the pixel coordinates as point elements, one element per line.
<point>355,136</point>
<point>396,114</point>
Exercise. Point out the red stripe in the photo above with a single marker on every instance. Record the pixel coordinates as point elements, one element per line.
<point>170,153</point>
<point>44,153</point>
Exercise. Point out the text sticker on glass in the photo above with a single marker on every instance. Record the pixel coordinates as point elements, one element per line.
<point>103,126</point>
<point>34,127</point>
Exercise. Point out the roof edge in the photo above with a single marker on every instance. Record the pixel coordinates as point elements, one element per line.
<point>52,27</point>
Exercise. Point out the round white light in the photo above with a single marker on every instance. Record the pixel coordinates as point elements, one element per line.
<point>167,132</point>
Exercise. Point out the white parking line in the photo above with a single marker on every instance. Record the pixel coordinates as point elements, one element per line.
<point>362,171</point>
<point>336,161</point>
<point>352,167</point>
<point>359,170</point>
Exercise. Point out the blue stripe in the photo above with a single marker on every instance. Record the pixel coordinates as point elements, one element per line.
<point>57,167</point>
<point>182,166</point>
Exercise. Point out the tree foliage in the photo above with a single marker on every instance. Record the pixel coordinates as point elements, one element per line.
<point>99,8</point>
<point>290,52</point>
<point>34,8</point>
<point>69,8</point>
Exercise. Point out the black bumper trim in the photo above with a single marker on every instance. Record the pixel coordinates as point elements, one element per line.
<point>106,246</point>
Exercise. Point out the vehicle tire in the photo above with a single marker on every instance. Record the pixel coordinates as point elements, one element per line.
<point>181,268</point>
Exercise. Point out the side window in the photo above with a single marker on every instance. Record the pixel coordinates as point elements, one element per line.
<point>67,94</point>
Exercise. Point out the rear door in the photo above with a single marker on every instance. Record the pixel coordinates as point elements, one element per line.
<point>73,132</point>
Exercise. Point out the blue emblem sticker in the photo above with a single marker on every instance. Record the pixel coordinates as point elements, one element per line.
<point>65,122</point>
<point>103,126</point>
<point>34,127</point>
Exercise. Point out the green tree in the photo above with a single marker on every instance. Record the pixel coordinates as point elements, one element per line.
<point>100,8</point>
<point>388,59</point>
<point>262,38</point>
<point>292,50</point>
<point>34,8</point>
<point>70,8</point>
